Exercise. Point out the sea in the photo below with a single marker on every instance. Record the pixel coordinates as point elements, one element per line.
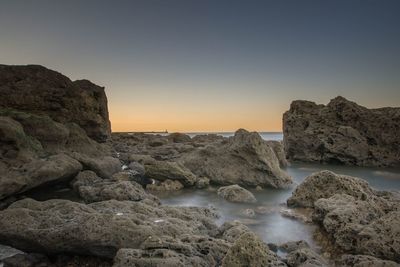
<point>273,226</point>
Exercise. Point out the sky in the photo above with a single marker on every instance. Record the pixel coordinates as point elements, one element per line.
<point>199,65</point>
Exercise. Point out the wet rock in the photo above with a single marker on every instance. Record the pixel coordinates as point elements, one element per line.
<point>342,132</point>
<point>27,260</point>
<point>99,229</point>
<point>235,193</point>
<point>137,168</point>
<point>166,170</point>
<point>364,261</point>
<point>325,184</point>
<point>249,250</point>
<point>248,213</point>
<point>305,257</point>
<point>6,252</point>
<point>38,90</point>
<point>293,245</point>
<point>167,185</point>
<point>202,182</point>
<point>297,214</point>
<point>104,167</point>
<point>243,159</point>
<point>230,231</point>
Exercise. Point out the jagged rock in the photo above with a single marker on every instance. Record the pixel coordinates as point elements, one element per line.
<point>357,219</point>
<point>325,184</point>
<point>38,90</point>
<point>137,168</point>
<point>166,170</point>
<point>99,229</point>
<point>277,147</point>
<point>342,132</point>
<point>249,250</point>
<point>235,193</point>
<point>104,167</point>
<point>202,182</point>
<point>230,231</point>
<point>243,159</point>
<point>85,178</point>
<point>364,261</point>
<point>108,190</point>
<point>167,185</point>
<point>294,245</point>
<point>305,257</point>
<point>55,168</point>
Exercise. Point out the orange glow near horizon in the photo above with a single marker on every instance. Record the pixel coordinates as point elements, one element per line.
<point>141,119</point>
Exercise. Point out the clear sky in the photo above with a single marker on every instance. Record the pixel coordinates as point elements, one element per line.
<point>198,65</point>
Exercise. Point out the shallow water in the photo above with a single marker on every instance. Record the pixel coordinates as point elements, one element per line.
<point>273,226</point>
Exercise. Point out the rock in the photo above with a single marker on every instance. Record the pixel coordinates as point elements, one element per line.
<point>293,245</point>
<point>235,193</point>
<point>38,90</point>
<point>248,213</point>
<point>356,218</point>
<point>325,184</point>
<point>121,190</point>
<point>244,159</point>
<point>231,231</point>
<point>104,167</point>
<point>364,261</point>
<point>38,172</point>
<point>179,138</point>
<point>166,170</point>
<point>202,182</point>
<point>27,260</point>
<point>249,250</point>
<point>99,229</point>
<point>167,185</point>
<point>85,178</point>
<point>6,252</point>
<point>137,168</point>
<point>342,132</point>
<point>305,257</point>
<point>297,214</point>
<point>123,176</point>
<point>277,147</point>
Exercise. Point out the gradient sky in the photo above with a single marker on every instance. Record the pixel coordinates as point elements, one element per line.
<point>198,65</point>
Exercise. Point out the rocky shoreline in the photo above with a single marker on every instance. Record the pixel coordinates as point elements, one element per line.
<point>58,133</point>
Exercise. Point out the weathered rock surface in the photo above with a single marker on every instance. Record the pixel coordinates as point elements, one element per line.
<point>104,167</point>
<point>249,250</point>
<point>277,147</point>
<point>325,184</point>
<point>243,159</point>
<point>38,90</point>
<point>358,219</point>
<point>305,257</point>
<point>364,261</point>
<point>100,229</point>
<point>235,193</point>
<point>55,168</point>
<point>167,185</point>
<point>342,132</point>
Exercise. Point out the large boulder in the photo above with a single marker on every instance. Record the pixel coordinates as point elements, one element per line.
<point>364,261</point>
<point>325,184</point>
<point>103,166</point>
<point>342,132</point>
<point>99,229</point>
<point>356,218</point>
<point>235,193</point>
<point>38,172</point>
<point>167,170</point>
<point>41,91</point>
<point>244,159</point>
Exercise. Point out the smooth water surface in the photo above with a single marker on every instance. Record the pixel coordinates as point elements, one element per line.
<point>272,225</point>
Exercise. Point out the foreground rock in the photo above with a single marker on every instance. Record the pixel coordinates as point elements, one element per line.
<point>38,90</point>
<point>249,250</point>
<point>342,132</point>
<point>101,228</point>
<point>358,219</point>
<point>235,193</point>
